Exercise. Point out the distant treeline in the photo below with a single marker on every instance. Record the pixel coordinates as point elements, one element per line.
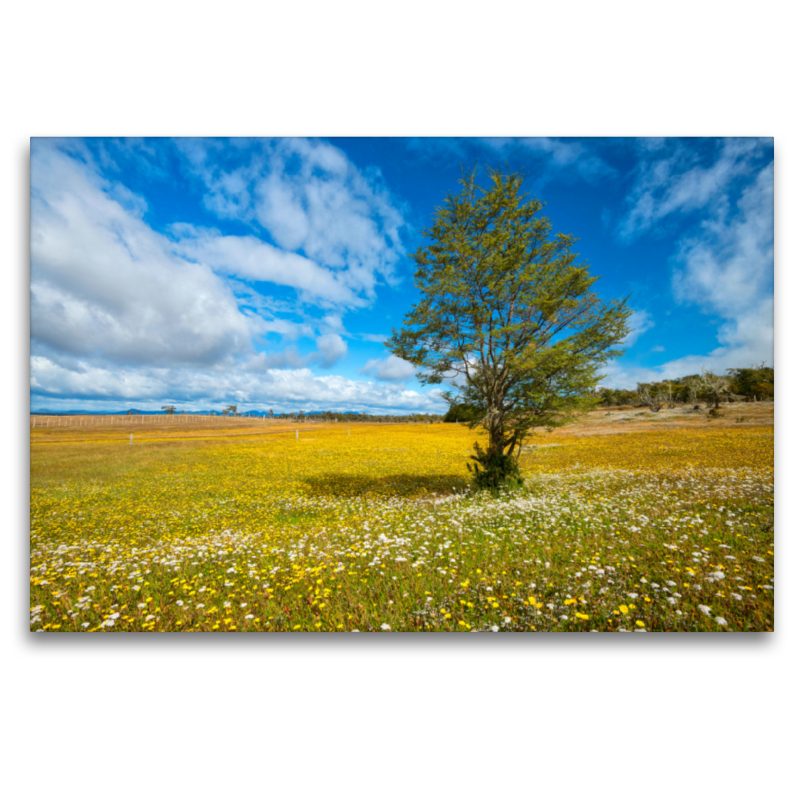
<point>742,385</point>
<point>300,416</point>
<point>738,385</point>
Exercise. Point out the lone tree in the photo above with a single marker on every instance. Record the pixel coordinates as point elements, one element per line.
<point>168,409</point>
<point>508,319</point>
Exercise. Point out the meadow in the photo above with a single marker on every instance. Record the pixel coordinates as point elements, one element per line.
<point>628,521</point>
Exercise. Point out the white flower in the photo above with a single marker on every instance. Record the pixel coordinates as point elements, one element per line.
<point>385,627</point>
<point>84,624</point>
<point>705,609</point>
<point>720,621</point>
<point>200,605</point>
<point>180,602</point>
<point>736,596</point>
<point>140,605</point>
<point>507,620</point>
<point>149,617</point>
<point>249,616</point>
<point>227,604</point>
<point>242,605</point>
<point>494,629</point>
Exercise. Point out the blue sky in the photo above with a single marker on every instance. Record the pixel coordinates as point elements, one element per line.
<point>268,272</point>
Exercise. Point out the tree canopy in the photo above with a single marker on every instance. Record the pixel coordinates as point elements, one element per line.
<point>507,319</point>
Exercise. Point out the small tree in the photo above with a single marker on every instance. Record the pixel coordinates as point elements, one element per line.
<point>168,409</point>
<point>713,388</point>
<point>507,317</point>
<point>229,411</point>
<point>646,398</point>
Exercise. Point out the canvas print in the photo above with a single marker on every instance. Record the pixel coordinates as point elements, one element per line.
<point>464,385</point>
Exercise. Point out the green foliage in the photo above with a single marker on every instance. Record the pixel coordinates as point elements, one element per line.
<point>461,412</point>
<point>753,382</point>
<point>494,470</point>
<point>507,318</point>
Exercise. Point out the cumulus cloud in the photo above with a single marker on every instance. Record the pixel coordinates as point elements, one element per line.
<point>727,269</point>
<point>331,348</point>
<point>724,265</point>
<point>250,258</point>
<point>670,180</point>
<point>312,202</point>
<point>639,322</point>
<point>564,156</point>
<point>390,368</point>
<point>102,281</point>
<point>121,312</point>
<point>256,387</point>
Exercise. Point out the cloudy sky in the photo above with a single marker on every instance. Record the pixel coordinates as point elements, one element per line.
<point>268,273</point>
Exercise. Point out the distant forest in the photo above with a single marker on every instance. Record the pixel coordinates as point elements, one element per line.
<point>738,385</point>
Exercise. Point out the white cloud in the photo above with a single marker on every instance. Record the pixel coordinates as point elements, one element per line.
<point>728,269</point>
<point>390,368</point>
<point>673,182</point>
<point>639,322</point>
<point>313,203</point>
<point>331,348</point>
<point>565,156</point>
<point>250,258</point>
<point>102,281</point>
<point>725,266</point>
<point>255,387</point>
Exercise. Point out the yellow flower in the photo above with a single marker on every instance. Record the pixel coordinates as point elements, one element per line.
<point>623,609</point>
<point>640,623</point>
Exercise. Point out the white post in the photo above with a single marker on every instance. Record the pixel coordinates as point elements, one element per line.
<point>348,431</point>
<point>131,438</point>
<point>297,434</point>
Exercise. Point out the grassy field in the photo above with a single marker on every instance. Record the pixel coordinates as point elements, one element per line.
<point>629,521</point>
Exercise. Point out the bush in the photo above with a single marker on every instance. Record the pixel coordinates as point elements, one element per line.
<point>494,471</point>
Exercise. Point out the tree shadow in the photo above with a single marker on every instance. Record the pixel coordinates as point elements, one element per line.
<point>398,485</point>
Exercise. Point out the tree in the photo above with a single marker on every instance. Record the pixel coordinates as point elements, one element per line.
<point>508,318</point>
<point>229,411</point>
<point>168,409</point>
<point>646,398</point>
<point>712,388</point>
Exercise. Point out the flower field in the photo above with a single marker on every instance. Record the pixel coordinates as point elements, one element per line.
<point>251,528</point>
